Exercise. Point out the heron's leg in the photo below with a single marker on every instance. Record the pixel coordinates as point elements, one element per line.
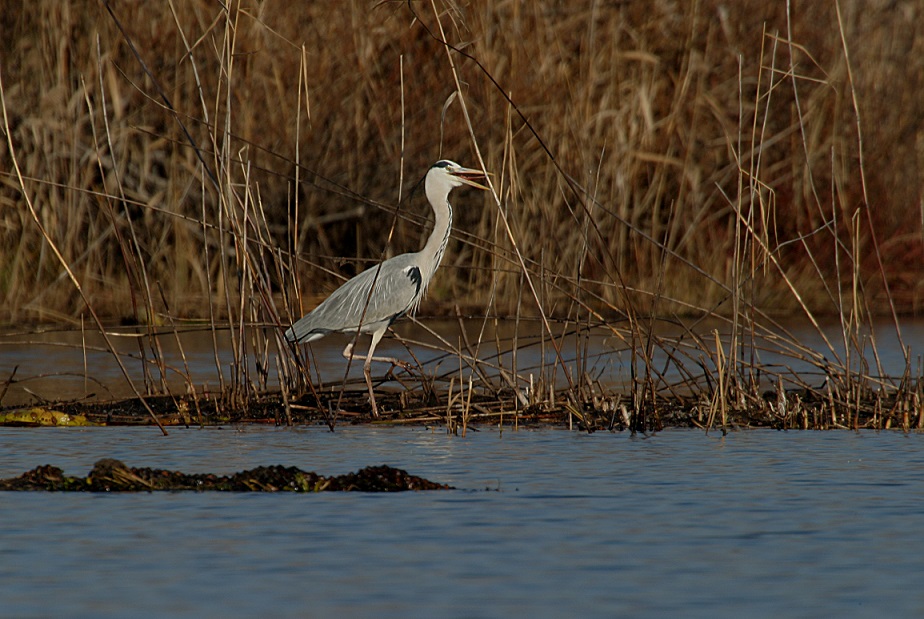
<point>367,364</point>
<point>376,337</point>
<point>367,374</point>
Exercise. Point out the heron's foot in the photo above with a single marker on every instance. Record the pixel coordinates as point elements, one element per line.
<point>404,365</point>
<point>390,374</point>
<point>348,353</point>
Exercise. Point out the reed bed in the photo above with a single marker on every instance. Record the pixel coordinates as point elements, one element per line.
<point>677,177</point>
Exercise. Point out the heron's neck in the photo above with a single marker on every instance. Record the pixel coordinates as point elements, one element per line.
<point>439,238</point>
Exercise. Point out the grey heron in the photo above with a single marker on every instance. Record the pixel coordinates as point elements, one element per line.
<point>371,301</point>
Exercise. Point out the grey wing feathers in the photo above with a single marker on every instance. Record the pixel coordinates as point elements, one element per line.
<point>398,287</point>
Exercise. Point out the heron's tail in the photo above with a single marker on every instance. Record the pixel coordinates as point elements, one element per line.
<point>304,331</point>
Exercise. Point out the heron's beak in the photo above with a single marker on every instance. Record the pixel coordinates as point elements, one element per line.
<point>467,176</point>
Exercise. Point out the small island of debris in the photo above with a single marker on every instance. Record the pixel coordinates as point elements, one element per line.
<point>110,475</point>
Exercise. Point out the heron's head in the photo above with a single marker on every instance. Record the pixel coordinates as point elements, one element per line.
<point>449,174</point>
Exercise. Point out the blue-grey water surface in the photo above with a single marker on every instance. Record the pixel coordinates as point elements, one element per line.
<point>544,524</point>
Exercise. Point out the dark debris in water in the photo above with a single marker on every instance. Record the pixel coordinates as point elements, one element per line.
<point>110,475</point>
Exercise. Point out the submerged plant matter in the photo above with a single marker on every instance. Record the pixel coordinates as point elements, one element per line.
<point>666,163</point>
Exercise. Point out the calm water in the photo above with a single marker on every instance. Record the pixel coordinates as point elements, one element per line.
<point>56,365</point>
<point>545,524</point>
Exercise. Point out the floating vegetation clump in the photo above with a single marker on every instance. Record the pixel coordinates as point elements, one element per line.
<point>110,475</point>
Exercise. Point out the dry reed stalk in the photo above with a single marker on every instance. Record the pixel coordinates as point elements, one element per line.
<point>719,403</point>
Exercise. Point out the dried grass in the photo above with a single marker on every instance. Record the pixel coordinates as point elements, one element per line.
<point>730,161</point>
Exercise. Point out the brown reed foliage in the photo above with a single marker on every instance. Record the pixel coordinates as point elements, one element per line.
<point>667,117</point>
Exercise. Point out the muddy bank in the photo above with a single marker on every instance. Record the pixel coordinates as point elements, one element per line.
<point>781,410</point>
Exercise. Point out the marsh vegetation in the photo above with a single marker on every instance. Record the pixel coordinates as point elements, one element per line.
<point>683,177</point>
